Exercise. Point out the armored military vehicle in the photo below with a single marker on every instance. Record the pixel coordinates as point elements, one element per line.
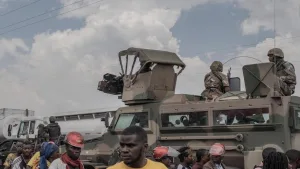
<point>245,122</point>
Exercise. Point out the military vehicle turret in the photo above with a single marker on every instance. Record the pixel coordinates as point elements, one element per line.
<point>245,122</point>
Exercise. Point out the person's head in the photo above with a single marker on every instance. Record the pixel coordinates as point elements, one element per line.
<point>294,158</point>
<point>19,147</point>
<point>276,160</point>
<point>164,155</point>
<point>217,152</point>
<point>27,149</point>
<point>52,119</point>
<point>185,155</point>
<point>202,155</point>
<point>74,144</point>
<point>275,54</point>
<point>160,154</point>
<point>267,151</point>
<point>49,151</point>
<point>216,66</point>
<point>133,145</point>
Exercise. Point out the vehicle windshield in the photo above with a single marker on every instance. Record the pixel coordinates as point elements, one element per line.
<point>24,128</point>
<point>184,119</point>
<point>131,119</point>
<point>241,116</point>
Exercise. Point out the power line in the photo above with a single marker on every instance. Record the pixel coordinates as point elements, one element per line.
<point>19,8</point>
<point>50,17</point>
<point>55,9</point>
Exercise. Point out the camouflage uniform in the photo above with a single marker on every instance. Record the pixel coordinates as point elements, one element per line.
<point>215,81</point>
<point>285,72</point>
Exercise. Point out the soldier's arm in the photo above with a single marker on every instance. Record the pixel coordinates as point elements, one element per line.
<point>291,75</point>
<point>225,82</point>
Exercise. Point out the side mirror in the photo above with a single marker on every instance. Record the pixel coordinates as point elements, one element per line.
<point>235,84</point>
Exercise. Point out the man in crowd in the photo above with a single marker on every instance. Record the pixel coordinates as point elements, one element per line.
<point>285,72</point>
<point>133,147</point>
<point>165,155</point>
<point>70,159</point>
<point>216,152</point>
<point>265,154</point>
<point>202,156</point>
<point>21,161</point>
<point>294,158</point>
<point>185,158</point>
<point>12,156</point>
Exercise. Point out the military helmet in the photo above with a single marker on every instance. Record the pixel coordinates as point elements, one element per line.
<point>216,66</point>
<point>52,119</point>
<point>276,52</point>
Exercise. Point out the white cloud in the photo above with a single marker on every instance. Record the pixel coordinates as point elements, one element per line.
<point>61,70</point>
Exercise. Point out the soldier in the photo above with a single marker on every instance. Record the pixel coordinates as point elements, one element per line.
<point>216,83</point>
<point>42,135</point>
<point>53,130</point>
<point>285,72</point>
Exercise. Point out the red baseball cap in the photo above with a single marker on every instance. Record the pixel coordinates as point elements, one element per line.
<point>75,139</point>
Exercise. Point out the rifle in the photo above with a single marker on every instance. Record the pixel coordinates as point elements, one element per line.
<point>228,75</point>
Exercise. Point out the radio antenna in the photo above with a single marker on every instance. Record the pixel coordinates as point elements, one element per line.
<point>274,22</point>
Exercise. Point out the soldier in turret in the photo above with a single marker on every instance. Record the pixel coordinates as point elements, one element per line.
<point>53,130</point>
<point>285,72</point>
<point>216,83</point>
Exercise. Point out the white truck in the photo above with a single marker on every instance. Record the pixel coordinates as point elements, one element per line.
<point>91,123</point>
<point>10,121</point>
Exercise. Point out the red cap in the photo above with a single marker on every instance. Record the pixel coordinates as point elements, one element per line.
<point>217,149</point>
<point>75,139</point>
<point>160,152</point>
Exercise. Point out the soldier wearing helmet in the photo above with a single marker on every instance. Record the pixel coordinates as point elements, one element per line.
<point>70,159</point>
<point>285,72</point>
<point>164,155</point>
<point>216,83</point>
<point>53,129</point>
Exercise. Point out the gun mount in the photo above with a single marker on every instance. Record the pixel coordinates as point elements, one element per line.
<point>145,85</point>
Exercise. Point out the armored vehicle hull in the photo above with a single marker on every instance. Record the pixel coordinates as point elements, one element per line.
<point>245,122</point>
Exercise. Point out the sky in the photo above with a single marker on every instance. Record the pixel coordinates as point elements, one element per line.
<point>53,61</point>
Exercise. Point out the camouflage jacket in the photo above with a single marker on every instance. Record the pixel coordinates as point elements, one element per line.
<point>216,80</point>
<point>286,72</point>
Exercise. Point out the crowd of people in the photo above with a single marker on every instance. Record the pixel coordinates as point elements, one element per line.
<point>47,156</point>
<point>133,149</point>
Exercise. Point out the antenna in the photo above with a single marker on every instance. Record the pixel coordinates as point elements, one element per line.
<point>274,20</point>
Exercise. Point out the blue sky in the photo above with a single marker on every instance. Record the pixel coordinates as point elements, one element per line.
<point>200,29</point>
<point>74,61</point>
